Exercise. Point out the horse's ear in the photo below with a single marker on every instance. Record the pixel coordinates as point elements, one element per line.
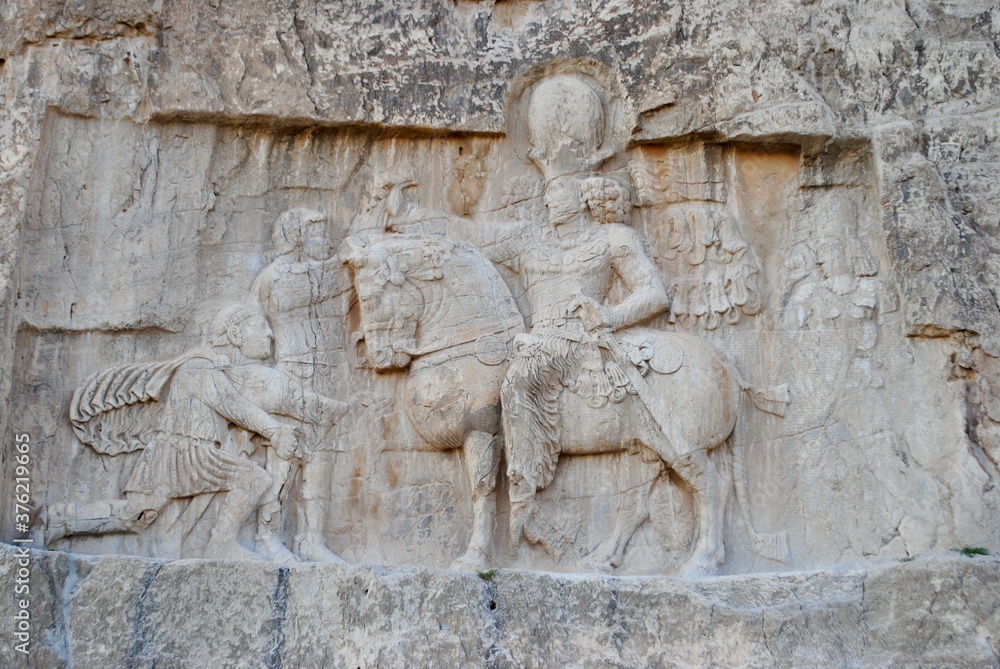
<point>353,251</point>
<point>394,201</point>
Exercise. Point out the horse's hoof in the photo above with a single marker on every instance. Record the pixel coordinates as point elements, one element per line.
<point>699,569</point>
<point>607,559</point>
<point>472,560</point>
<point>608,566</point>
<point>600,567</point>
<point>312,549</point>
<point>600,563</point>
<point>232,551</point>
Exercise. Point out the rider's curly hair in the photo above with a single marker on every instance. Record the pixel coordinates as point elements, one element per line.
<point>608,200</point>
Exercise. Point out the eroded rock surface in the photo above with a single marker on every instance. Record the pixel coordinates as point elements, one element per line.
<point>119,611</point>
<point>790,205</point>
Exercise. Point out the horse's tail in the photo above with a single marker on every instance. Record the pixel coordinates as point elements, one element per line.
<point>771,400</point>
<point>774,401</point>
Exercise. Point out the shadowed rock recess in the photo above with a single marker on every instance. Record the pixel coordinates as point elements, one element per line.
<point>637,334</point>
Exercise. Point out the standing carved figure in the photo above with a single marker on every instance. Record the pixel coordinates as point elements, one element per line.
<point>179,414</point>
<point>303,294</point>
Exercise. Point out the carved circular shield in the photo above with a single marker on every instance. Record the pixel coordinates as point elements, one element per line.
<point>492,349</point>
<point>667,358</point>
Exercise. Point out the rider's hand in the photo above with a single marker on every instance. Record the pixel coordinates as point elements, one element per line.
<point>334,411</point>
<point>595,316</point>
<point>285,442</point>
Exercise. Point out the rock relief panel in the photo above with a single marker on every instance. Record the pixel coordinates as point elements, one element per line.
<point>553,350</point>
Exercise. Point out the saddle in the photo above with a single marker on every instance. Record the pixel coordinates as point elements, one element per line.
<point>597,374</point>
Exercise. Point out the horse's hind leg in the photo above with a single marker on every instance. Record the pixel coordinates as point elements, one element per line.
<point>482,462</point>
<point>695,467</point>
<point>699,472</point>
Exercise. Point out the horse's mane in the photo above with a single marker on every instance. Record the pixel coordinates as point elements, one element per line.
<point>433,247</point>
<point>431,251</point>
<point>438,266</point>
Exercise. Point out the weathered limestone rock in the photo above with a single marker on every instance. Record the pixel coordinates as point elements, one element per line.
<point>564,285</point>
<point>120,611</point>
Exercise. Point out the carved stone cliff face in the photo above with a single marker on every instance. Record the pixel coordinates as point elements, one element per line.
<point>795,202</point>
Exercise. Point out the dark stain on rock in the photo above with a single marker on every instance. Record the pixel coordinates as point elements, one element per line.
<point>496,654</point>
<point>617,621</point>
<point>141,643</point>
<point>275,629</point>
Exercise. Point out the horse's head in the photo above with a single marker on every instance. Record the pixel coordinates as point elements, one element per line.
<point>390,303</point>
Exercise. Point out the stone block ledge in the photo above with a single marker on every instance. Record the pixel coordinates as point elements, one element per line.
<point>114,611</point>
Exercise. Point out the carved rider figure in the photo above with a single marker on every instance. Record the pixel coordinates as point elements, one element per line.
<point>581,348</point>
<point>567,266</point>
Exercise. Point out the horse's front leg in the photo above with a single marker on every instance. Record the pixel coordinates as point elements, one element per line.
<point>482,463</point>
<point>633,510</point>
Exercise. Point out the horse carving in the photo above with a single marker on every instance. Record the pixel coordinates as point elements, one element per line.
<point>440,309</point>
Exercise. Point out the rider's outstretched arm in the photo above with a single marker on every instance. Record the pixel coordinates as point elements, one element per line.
<point>647,293</point>
<point>498,240</point>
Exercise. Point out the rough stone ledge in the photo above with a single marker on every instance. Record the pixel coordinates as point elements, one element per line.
<point>112,611</point>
